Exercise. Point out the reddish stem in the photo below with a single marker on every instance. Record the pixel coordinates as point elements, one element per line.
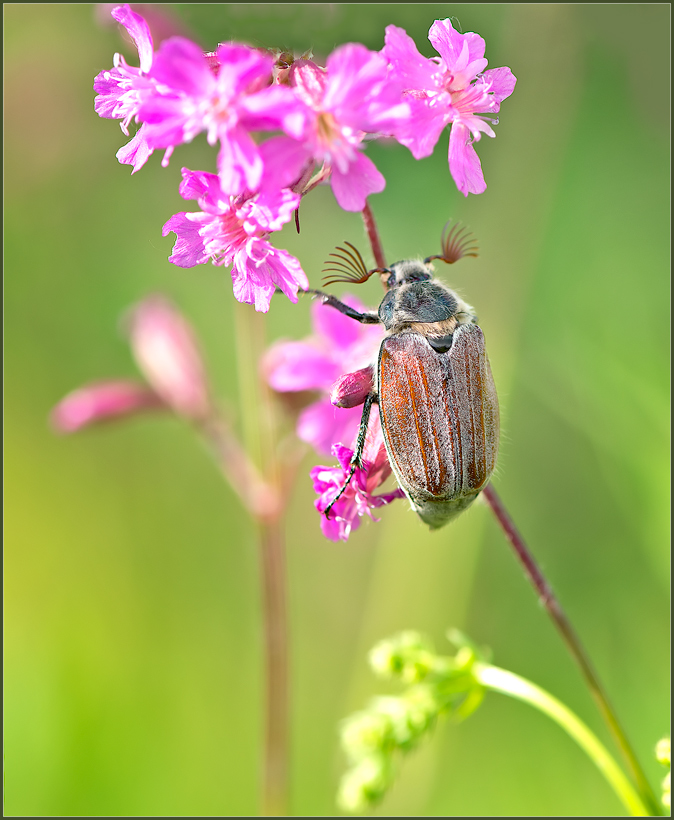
<point>573,644</point>
<point>373,236</point>
<point>272,558</point>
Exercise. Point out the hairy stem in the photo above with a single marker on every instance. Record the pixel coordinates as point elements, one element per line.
<point>500,680</point>
<point>573,644</point>
<point>373,236</point>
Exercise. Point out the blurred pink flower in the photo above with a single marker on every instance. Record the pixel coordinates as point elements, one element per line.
<point>452,88</point>
<point>102,401</point>
<point>358,499</point>
<point>338,344</point>
<point>167,353</point>
<point>234,231</point>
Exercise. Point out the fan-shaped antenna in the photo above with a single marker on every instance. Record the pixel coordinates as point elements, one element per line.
<point>457,242</point>
<point>347,265</point>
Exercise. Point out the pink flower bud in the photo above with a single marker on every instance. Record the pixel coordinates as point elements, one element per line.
<point>166,351</point>
<point>352,389</point>
<point>102,401</point>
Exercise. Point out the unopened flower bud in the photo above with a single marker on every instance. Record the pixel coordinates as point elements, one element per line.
<point>352,389</point>
<point>102,401</point>
<point>166,350</point>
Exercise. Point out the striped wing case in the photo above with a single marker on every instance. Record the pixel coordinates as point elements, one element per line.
<point>440,417</point>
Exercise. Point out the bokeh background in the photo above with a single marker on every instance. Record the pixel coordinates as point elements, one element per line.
<point>133,632</point>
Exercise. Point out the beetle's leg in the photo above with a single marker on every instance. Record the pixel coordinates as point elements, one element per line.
<point>369,318</point>
<point>357,457</point>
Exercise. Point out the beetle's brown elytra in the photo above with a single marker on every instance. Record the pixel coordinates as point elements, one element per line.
<point>440,419</point>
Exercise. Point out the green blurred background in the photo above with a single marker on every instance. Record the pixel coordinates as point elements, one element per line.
<point>133,632</point>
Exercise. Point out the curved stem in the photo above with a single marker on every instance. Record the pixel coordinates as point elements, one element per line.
<point>573,644</point>
<point>500,680</point>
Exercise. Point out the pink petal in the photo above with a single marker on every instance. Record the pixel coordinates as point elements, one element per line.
<point>414,70</point>
<point>251,288</point>
<point>449,43</point>
<point>269,211</point>
<point>273,108</point>
<point>206,189</point>
<point>166,350</point>
<point>323,425</point>
<point>309,81</point>
<point>166,121</point>
<point>296,366</point>
<point>361,92</point>
<point>464,163</point>
<point>136,152</point>
<point>283,160</point>
<point>239,162</point>
<point>139,31</point>
<point>421,132</point>
<point>361,179</point>
<point>180,64</point>
<point>339,331</point>
<point>242,67</point>
<point>102,401</point>
<point>188,250</point>
<point>353,70</point>
<point>501,81</point>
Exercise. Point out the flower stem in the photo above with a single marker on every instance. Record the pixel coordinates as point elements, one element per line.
<point>373,236</point>
<point>573,644</point>
<point>500,680</point>
<point>257,411</point>
<point>272,558</point>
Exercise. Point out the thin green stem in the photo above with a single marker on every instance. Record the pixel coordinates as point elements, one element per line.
<point>500,680</point>
<point>573,644</point>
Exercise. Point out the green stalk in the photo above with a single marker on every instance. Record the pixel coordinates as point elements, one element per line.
<point>500,680</point>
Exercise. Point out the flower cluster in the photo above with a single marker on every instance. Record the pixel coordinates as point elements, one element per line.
<point>374,738</point>
<point>317,121</point>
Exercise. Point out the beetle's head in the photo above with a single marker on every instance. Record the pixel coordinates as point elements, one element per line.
<point>402,273</point>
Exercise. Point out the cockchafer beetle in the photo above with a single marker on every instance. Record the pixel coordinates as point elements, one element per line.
<point>433,383</point>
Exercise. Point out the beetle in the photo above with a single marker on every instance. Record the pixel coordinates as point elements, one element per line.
<point>433,384</point>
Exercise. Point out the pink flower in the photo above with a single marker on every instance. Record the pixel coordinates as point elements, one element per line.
<point>122,89</point>
<point>338,344</point>
<point>452,88</point>
<point>166,351</point>
<point>227,102</point>
<point>234,231</point>
<point>353,97</point>
<point>358,499</point>
<point>103,401</point>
